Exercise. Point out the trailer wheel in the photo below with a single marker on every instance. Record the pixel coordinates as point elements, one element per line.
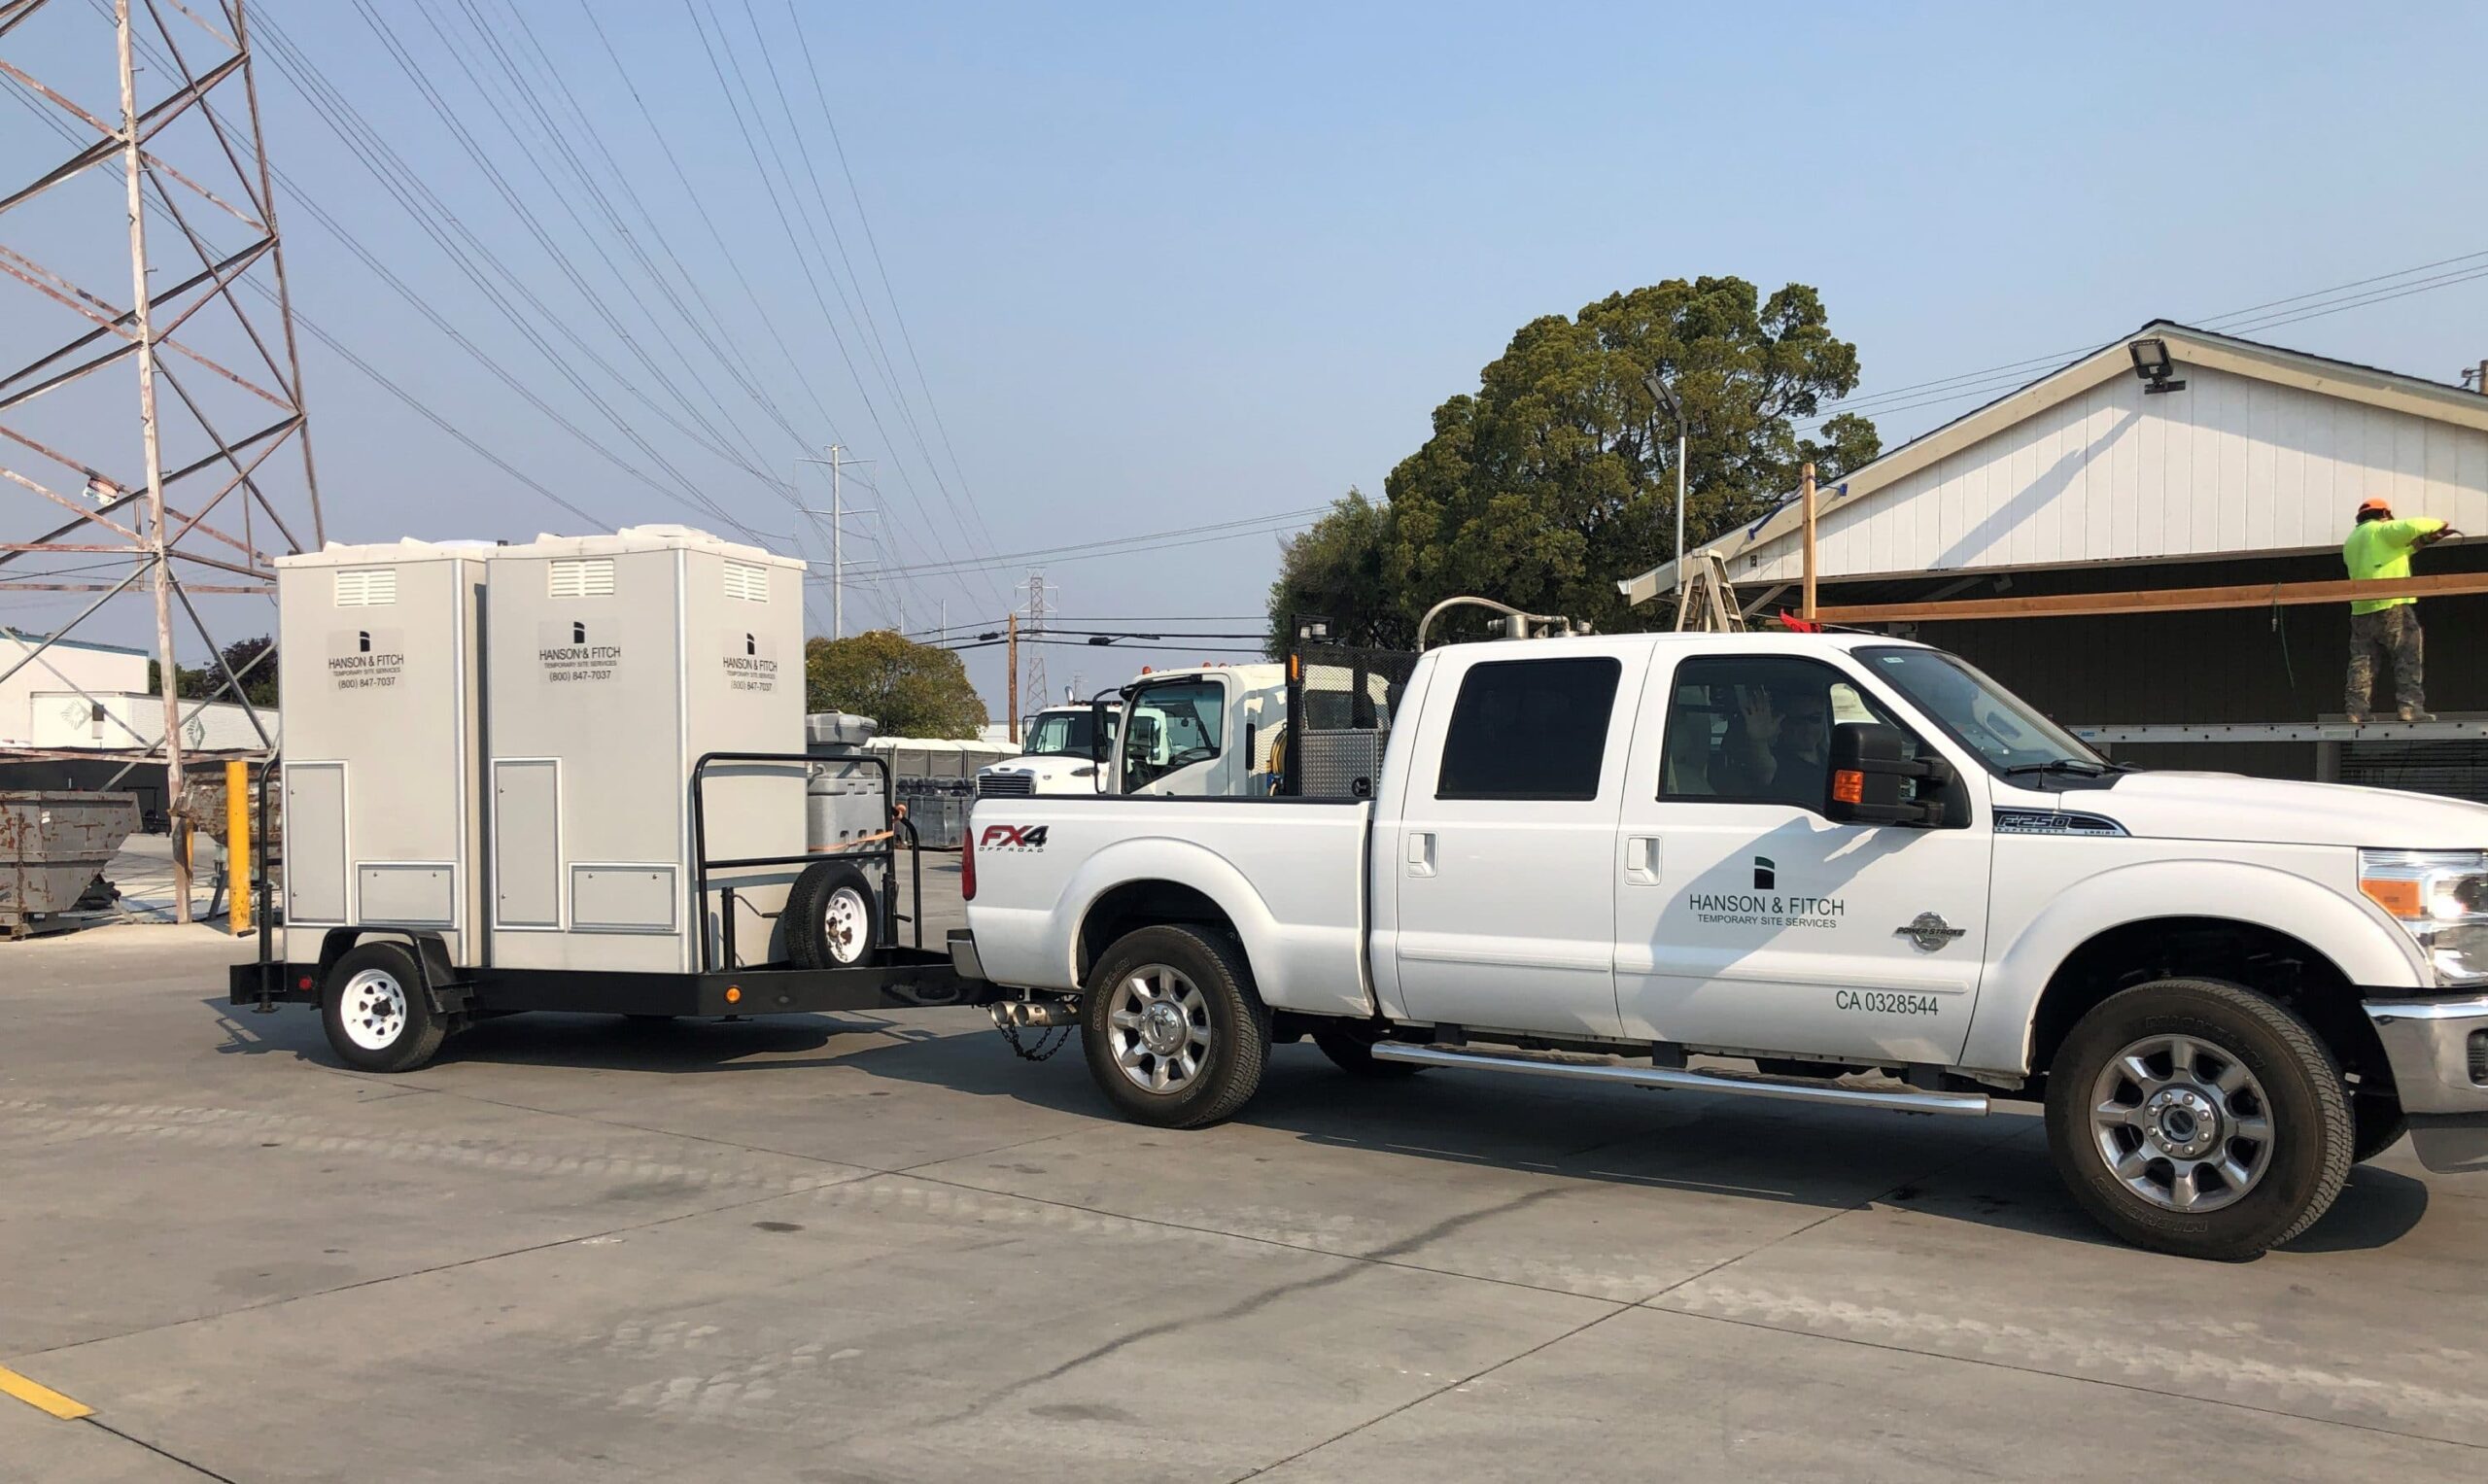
<point>1350,1048</point>
<point>375,1013</point>
<point>1174,1032</point>
<point>833,920</point>
<point>2198,1117</point>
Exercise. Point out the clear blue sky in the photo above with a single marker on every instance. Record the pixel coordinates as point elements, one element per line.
<point>1172,265</point>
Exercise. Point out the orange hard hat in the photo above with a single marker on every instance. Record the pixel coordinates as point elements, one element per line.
<point>2384,505</point>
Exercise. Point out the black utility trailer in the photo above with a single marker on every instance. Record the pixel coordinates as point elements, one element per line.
<point>391,995</point>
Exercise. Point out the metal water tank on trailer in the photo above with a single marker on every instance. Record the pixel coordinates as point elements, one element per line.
<point>614,663</point>
<point>377,659</point>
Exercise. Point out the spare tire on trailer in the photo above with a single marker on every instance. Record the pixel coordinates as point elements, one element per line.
<point>833,917</point>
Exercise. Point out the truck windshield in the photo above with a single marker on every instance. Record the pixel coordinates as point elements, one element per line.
<point>1063,734</point>
<point>1994,723</point>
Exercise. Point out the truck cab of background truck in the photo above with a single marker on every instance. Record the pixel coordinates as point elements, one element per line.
<point>1827,854</point>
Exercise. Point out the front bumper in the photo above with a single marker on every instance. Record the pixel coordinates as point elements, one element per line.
<point>2439,1052</point>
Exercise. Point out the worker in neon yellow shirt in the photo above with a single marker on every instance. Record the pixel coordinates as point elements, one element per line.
<point>2379,550</point>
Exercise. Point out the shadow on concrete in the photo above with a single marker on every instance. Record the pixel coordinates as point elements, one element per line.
<point>1992,1172</point>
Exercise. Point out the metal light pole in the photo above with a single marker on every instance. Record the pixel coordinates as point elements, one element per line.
<point>1666,399</point>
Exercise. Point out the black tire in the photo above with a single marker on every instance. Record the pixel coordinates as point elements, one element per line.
<point>833,919</point>
<point>1225,1029</point>
<point>2292,1091</point>
<point>2377,1125</point>
<point>375,1012</point>
<point>1350,1046</point>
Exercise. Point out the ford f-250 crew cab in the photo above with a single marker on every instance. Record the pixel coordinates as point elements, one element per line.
<point>1856,862</point>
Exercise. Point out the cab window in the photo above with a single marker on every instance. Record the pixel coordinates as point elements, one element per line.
<point>1755,730</point>
<point>1529,729</point>
<point>1174,725</point>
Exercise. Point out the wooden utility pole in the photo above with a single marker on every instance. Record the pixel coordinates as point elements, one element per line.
<point>1012,622</point>
<point>1806,500</point>
<point>142,323</point>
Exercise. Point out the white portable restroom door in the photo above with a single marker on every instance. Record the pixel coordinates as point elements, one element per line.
<point>1505,916</point>
<point>527,844</point>
<point>315,843</point>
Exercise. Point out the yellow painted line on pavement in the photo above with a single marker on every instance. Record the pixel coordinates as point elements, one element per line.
<point>35,1394</point>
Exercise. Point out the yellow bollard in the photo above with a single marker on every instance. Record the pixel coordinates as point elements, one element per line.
<point>238,855</point>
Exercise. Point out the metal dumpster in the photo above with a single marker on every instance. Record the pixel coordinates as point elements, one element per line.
<point>54,847</point>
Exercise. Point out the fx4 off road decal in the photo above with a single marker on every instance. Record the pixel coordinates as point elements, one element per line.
<point>1012,837</point>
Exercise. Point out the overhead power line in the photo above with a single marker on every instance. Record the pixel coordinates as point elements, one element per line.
<point>2272,314</point>
<point>1122,546</point>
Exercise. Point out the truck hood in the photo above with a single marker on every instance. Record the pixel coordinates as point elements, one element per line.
<point>1049,767</point>
<point>2229,805</point>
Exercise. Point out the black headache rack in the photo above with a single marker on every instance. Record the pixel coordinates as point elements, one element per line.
<point>899,976</point>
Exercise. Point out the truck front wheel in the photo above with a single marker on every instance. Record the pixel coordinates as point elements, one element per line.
<point>1174,1033</point>
<point>2198,1117</point>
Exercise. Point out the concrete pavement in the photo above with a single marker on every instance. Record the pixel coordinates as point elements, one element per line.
<point>874,1247</point>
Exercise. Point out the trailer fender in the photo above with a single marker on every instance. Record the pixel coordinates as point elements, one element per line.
<point>443,989</point>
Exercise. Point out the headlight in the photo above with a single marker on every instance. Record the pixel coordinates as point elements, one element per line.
<point>2442,897</point>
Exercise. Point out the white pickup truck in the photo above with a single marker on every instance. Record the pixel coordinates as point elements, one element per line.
<point>1856,863</point>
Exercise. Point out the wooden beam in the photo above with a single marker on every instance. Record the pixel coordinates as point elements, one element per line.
<point>2253,595</point>
<point>1806,497</point>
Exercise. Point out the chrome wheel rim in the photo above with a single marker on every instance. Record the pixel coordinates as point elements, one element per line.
<point>2182,1124</point>
<point>846,923</point>
<point>372,1008</point>
<point>1158,1026</point>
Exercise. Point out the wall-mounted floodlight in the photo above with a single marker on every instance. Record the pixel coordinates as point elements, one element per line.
<point>2153,366</point>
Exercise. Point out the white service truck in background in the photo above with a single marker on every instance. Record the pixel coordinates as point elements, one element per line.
<point>1201,732</point>
<point>1856,862</point>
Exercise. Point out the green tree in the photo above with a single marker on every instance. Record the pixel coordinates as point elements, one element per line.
<point>1556,478</point>
<point>1341,569</point>
<point>207,681</point>
<point>911,689</point>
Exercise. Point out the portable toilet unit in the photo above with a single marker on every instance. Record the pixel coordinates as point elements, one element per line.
<point>377,658</point>
<point>613,663</point>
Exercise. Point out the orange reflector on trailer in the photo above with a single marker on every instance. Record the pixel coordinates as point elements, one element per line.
<point>1849,787</point>
<point>734,995</point>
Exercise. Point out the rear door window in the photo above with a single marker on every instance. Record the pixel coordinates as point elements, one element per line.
<point>1529,728</point>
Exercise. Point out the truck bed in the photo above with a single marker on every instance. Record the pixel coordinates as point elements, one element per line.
<point>1289,875</point>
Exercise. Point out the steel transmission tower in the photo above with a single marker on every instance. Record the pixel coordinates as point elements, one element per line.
<point>189,497</point>
<point>1041,594</point>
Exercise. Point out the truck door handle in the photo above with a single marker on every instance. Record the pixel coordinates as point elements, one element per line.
<point>1421,853</point>
<point>1641,859</point>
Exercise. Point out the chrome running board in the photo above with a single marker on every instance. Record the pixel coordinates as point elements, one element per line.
<point>1688,1080</point>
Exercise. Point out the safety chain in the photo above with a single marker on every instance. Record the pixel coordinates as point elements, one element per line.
<point>1053,1040</point>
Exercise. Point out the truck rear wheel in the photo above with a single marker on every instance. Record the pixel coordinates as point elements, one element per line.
<point>1174,1033</point>
<point>2198,1117</point>
<point>375,1013</point>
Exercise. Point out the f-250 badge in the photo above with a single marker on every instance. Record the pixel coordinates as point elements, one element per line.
<point>1929,931</point>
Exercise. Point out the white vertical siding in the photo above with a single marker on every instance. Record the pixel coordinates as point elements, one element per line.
<point>2232,463</point>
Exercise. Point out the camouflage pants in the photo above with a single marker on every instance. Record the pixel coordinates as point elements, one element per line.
<point>2394,631</point>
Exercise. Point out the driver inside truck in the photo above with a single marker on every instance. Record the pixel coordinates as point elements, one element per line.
<point>1778,747</point>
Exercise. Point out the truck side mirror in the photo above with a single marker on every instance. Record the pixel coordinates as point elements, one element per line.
<point>1100,743</point>
<point>1868,763</point>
